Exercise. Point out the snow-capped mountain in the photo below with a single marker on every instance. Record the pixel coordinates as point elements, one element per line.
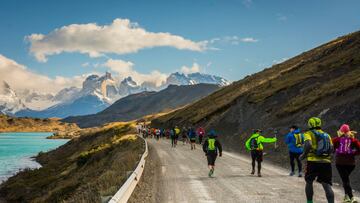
<point>128,86</point>
<point>195,78</point>
<point>103,87</point>
<point>10,103</point>
<point>36,100</point>
<point>99,92</point>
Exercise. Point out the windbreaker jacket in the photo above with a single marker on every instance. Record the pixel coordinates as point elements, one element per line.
<point>260,140</point>
<point>291,142</point>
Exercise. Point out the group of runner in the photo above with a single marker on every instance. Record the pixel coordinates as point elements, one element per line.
<point>187,135</point>
<point>317,147</point>
<point>314,145</point>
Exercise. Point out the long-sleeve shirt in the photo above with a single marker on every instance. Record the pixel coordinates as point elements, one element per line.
<point>217,145</point>
<point>346,159</point>
<point>260,140</point>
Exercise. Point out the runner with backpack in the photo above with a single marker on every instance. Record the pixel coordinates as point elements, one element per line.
<point>295,140</point>
<point>317,150</point>
<point>255,145</point>
<point>346,147</point>
<point>212,147</point>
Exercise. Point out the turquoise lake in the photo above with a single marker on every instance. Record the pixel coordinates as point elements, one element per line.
<point>16,150</point>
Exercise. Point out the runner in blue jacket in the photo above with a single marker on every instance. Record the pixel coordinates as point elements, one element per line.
<point>295,141</point>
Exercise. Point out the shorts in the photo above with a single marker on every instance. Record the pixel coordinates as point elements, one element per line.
<point>192,140</point>
<point>211,158</point>
<point>257,155</point>
<point>322,172</point>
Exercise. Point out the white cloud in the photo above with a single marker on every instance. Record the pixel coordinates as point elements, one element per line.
<point>120,37</point>
<point>126,68</point>
<point>247,3</point>
<point>281,17</point>
<point>85,65</point>
<point>193,69</point>
<point>232,40</point>
<point>249,39</point>
<point>19,78</point>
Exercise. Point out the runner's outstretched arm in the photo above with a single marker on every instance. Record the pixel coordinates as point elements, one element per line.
<point>267,140</point>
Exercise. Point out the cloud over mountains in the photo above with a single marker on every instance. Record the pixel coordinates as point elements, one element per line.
<point>120,37</point>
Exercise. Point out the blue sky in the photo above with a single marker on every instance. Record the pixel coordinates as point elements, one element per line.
<point>279,30</point>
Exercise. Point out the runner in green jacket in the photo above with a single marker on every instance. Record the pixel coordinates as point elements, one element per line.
<point>255,145</point>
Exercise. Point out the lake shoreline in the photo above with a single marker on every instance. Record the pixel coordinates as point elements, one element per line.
<point>19,151</point>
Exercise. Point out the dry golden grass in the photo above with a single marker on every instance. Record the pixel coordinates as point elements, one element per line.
<point>11,124</point>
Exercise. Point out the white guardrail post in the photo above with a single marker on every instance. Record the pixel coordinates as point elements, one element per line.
<point>124,193</point>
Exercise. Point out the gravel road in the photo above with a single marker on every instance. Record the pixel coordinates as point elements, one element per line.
<point>180,175</point>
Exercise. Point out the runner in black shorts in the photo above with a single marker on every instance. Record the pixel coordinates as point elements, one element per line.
<point>211,148</point>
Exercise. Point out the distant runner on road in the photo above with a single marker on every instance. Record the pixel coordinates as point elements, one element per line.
<point>200,133</point>
<point>192,137</point>
<point>211,148</point>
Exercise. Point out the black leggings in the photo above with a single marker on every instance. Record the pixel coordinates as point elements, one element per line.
<point>173,142</point>
<point>293,157</point>
<point>345,171</point>
<point>258,157</point>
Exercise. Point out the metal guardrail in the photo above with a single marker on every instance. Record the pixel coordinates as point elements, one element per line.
<point>124,193</point>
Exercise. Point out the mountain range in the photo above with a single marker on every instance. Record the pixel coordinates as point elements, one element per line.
<point>96,94</point>
<point>145,103</point>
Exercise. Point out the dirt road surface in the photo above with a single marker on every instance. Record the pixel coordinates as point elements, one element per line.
<point>182,176</point>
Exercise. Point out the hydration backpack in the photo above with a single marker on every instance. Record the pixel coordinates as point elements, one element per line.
<point>323,143</point>
<point>254,144</point>
<point>345,146</point>
<point>211,145</point>
<point>298,140</point>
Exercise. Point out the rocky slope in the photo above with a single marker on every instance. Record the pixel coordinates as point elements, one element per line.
<point>323,82</point>
<point>145,103</point>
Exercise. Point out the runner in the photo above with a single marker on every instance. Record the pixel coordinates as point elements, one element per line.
<point>317,150</point>
<point>200,133</point>
<point>184,135</point>
<point>211,147</point>
<point>295,141</point>
<point>172,137</point>
<point>157,133</point>
<point>346,147</point>
<point>177,133</point>
<point>255,145</point>
<point>192,137</point>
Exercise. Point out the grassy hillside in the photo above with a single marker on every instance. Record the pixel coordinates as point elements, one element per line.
<point>146,103</point>
<point>86,169</point>
<point>12,124</point>
<point>330,63</point>
<point>323,82</point>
